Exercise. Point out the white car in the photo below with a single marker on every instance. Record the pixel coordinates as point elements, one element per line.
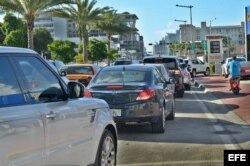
<point>225,62</point>
<point>196,66</point>
<point>44,121</point>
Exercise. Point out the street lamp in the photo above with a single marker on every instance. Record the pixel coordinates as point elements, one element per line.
<point>190,7</point>
<point>211,23</point>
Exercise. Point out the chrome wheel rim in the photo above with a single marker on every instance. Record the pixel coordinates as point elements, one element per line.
<point>108,152</point>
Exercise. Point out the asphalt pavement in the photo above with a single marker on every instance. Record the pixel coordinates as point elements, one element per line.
<point>219,87</point>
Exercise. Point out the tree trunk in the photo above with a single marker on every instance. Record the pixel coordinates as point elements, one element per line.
<point>85,48</point>
<point>30,35</point>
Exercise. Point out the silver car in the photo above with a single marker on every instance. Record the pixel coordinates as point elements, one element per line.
<point>44,122</point>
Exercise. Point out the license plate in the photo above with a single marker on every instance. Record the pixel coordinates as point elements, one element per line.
<point>171,87</point>
<point>116,112</point>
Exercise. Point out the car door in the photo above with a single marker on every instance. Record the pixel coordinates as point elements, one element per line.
<point>22,141</point>
<point>67,123</point>
<point>202,67</point>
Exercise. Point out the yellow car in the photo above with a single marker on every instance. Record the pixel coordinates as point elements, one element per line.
<point>80,72</point>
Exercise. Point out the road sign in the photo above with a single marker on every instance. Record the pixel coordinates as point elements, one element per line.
<point>204,44</point>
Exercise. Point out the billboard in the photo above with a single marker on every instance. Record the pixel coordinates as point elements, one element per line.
<point>248,20</point>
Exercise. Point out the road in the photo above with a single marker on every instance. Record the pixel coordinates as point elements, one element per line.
<point>204,127</point>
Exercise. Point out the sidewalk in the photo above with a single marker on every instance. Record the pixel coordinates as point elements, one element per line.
<point>219,86</point>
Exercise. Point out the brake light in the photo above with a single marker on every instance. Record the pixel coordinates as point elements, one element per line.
<point>145,94</point>
<point>186,74</point>
<point>177,72</point>
<point>87,93</point>
<point>114,86</point>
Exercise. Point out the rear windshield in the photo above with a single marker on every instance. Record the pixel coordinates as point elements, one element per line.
<point>120,76</point>
<point>78,70</point>
<point>123,63</point>
<point>169,63</point>
<point>238,59</point>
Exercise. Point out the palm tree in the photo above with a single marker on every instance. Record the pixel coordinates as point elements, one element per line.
<point>111,25</point>
<point>29,10</point>
<point>83,13</point>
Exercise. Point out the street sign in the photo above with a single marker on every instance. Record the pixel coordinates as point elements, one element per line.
<point>204,44</point>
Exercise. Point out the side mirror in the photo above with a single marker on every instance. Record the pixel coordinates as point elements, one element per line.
<point>75,89</point>
<point>63,73</point>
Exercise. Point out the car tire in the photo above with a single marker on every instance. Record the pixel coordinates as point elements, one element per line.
<point>159,126</point>
<point>106,156</point>
<point>194,73</point>
<point>171,116</point>
<point>207,73</point>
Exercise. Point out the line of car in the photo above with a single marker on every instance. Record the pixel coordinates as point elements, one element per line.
<point>48,119</point>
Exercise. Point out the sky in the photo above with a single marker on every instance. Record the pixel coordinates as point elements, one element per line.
<point>156,17</point>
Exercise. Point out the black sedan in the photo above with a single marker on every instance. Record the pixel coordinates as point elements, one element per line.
<point>135,93</point>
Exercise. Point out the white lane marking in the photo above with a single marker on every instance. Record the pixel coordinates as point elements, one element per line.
<point>200,162</point>
<point>225,138</point>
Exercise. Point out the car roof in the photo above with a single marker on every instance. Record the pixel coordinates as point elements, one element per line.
<point>4,49</point>
<point>138,67</point>
<point>79,64</point>
<point>160,56</point>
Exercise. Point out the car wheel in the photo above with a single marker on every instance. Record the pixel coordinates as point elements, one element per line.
<point>171,116</point>
<point>159,126</point>
<point>106,154</point>
<point>194,73</point>
<point>207,73</point>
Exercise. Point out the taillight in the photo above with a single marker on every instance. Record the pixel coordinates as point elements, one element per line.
<point>87,93</point>
<point>145,94</point>
<point>114,86</point>
<point>186,74</point>
<point>177,72</point>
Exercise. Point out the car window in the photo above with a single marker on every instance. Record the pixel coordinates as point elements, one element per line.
<point>195,61</point>
<point>158,77</point>
<point>120,76</point>
<point>78,70</point>
<point>41,83</point>
<point>169,63</point>
<point>123,63</point>
<point>10,92</point>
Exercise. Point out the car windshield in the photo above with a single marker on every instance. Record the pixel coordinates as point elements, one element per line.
<point>123,63</point>
<point>237,59</point>
<point>169,63</point>
<point>78,70</point>
<point>120,76</point>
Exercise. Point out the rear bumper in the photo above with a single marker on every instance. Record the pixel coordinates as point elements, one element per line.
<point>137,112</point>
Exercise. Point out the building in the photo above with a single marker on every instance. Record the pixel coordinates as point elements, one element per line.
<point>64,29</point>
<point>131,43</point>
<point>234,35</point>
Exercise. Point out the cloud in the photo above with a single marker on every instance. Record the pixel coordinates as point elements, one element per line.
<point>169,29</point>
